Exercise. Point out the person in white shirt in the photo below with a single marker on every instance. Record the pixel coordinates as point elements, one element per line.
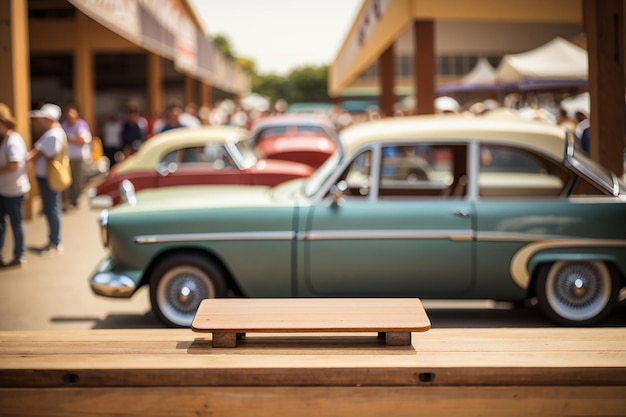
<point>51,143</point>
<point>14,184</point>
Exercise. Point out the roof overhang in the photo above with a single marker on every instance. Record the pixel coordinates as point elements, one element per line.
<point>172,30</point>
<point>379,23</point>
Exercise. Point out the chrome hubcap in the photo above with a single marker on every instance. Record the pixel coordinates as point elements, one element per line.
<point>186,291</point>
<point>180,292</point>
<point>578,290</point>
<point>184,294</point>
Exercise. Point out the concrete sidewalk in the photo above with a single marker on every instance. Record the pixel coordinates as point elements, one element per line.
<point>52,292</point>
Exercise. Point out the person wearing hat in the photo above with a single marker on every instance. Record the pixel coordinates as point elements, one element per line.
<point>447,105</point>
<point>14,184</point>
<point>51,143</point>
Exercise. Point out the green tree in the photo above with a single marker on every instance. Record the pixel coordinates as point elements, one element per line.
<point>270,85</point>
<point>303,84</point>
<point>308,84</point>
<point>222,43</point>
<point>246,64</point>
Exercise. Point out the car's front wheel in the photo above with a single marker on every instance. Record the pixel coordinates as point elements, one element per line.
<point>179,283</point>
<point>576,293</point>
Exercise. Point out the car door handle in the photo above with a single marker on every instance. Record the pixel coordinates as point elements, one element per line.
<point>462,213</point>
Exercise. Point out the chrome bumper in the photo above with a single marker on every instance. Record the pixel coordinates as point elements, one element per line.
<point>111,284</point>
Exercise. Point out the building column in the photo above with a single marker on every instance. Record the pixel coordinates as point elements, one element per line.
<point>424,66</point>
<point>83,70</point>
<point>14,73</point>
<point>205,95</point>
<point>603,24</point>
<point>154,87</point>
<point>190,90</point>
<point>14,55</point>
<point>386,77</point>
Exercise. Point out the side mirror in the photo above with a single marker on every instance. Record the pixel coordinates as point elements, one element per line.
<point>127,192</point>
<point>165,169</point>
<point>337,192</point>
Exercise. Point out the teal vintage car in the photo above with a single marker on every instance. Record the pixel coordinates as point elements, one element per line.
<point>436,207</point>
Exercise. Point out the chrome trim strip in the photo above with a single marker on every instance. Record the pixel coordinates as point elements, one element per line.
<point>201,237</point>
<point>513,237</point>
<point>457,235</point>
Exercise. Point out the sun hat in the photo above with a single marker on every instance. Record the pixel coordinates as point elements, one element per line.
<point>6,117</point>
<point>447,104</point>
<point>47,111</point>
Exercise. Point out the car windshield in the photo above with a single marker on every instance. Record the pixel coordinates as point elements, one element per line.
<point>242,153</point>
<point>319,177</point>
<point>581,161</point>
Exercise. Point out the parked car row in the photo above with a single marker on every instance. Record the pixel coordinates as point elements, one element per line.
<point>426,206</point>
<point>276,150</point>
<point>309,139</point>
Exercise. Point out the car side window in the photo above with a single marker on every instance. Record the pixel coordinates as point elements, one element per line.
<point>211,154</point>
<point>584,187</point>
<point>273,131</point>
<point>311,129</point>
<point>421,170</point>
<point>358,175</point>
<point>170,158</point>
<point>513,172</point>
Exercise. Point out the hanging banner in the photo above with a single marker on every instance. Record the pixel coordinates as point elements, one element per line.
<point>120,16</point>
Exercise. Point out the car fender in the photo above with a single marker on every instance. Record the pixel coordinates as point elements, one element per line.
<point>526,260</point>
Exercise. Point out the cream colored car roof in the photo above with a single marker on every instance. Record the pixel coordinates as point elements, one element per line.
<point>541,136</point>
<point>154,149</point>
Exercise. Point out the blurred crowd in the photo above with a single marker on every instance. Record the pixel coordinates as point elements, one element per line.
<point>125,131</point>
<point>571,113</point>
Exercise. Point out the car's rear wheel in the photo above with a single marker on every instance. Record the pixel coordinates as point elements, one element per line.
<point>179,283</point>
<point>576,293</point>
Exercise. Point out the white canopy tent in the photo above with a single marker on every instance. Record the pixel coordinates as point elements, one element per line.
<point>580,103</point>
<point>480,79</point>
<point>558,59</point>
<point>483,73</point>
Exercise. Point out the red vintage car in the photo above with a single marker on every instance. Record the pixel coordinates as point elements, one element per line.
<point>308,139</point>
<point>193,156</point>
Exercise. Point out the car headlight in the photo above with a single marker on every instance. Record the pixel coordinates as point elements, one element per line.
<point>104,227</point>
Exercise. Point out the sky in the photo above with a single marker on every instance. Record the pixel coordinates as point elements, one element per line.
<point>280,35</point>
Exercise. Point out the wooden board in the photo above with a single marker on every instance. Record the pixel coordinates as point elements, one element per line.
<point>445,372</point>
<point>228,318</point>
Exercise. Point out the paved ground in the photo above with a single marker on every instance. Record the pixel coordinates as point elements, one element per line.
<point>53,292</point>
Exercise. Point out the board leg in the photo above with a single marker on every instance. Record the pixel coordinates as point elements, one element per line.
<point>224,340</point>
<point>398,338</point>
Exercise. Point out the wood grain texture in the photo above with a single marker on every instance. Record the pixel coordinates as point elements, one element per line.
<point>179,356</point>
<point>445,372</point>
<point>512,401</point>
<point>278,315</point>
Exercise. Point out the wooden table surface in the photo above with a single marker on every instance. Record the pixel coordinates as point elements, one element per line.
<point>281,315</point>
<point>443,371</point>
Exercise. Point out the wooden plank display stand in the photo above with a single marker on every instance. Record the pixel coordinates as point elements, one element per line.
<point>229,319</point>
